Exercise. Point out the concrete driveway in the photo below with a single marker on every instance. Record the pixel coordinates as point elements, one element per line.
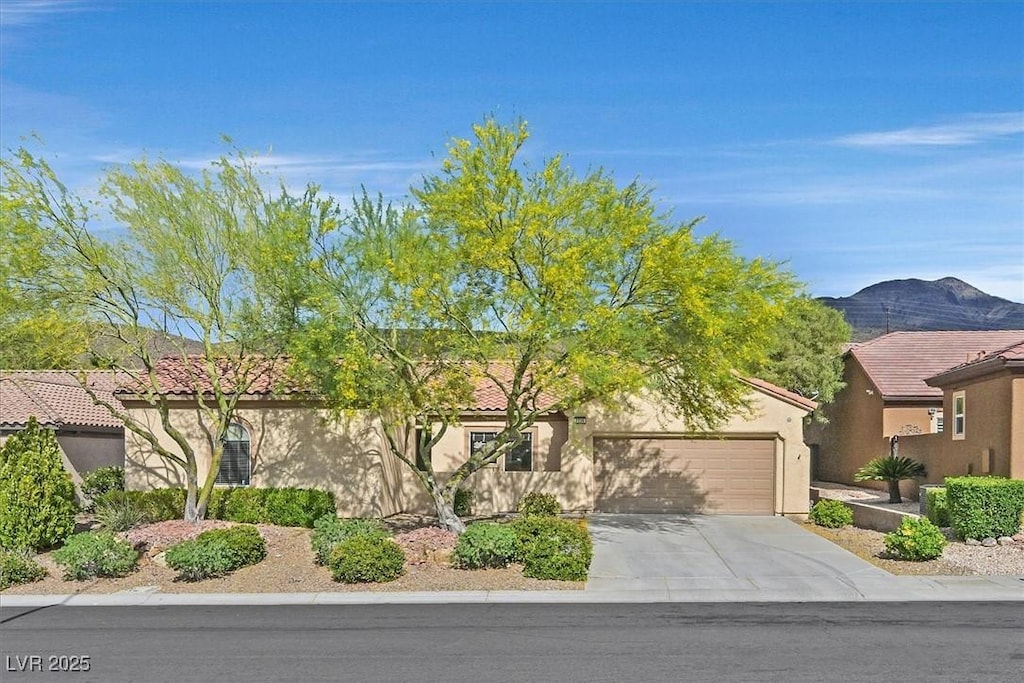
<point>725,558</point>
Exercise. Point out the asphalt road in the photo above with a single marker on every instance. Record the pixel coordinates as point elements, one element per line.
<point>845,642</point>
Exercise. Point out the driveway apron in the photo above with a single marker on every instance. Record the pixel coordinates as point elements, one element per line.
<point>725,558</point>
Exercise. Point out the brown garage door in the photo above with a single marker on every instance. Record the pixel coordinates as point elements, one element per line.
<point>723,476</point>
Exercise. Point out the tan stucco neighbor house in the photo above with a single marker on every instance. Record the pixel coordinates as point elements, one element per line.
<point>89,436</point>
<point>895,387</point>
<point>593,458</point>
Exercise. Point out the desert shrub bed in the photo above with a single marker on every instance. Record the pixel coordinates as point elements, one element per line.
<point>217,552</point>
<point>832,514</point>
<point>96,554</point>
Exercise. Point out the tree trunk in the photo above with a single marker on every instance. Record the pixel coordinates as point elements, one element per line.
<point>894,491</point>
<point>446,516</point>
<point>191,509</point>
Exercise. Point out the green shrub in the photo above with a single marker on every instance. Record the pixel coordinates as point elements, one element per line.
<point>366,558</point>
<point>830,513</point>
<point>16,566</point>
<point>246,505</point>
<point>938,506</point>
<point>916,539</point>
<point>297,507</point>
<point>217,552</point>
<point>329,531</point>
<point>160,505</point>
<point>96,553</point>
<point>983,507</point>
<point>101,480</point>
<point>119,511</point>
<point>540,505</point>
<point>463,502</point>
<point>37,497</point>
<point>553,548</point>
<point>485,544</point>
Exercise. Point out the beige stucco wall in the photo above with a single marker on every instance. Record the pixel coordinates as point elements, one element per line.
<point>291,445</point>
<point>298,445</point>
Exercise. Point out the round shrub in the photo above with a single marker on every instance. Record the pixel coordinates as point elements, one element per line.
<point>916,539</point>
<point>540,505</point>
<point>553,548</point>
<point>101,480</point>
<point>17,567</point>
<point>485,544</point>
<point>119,511</point>
<point>37,497</point>
<point>96,553</point>
<point>216,552</point>
<point>366,559</point>
<point>830,513</point>
<point>329,531</point>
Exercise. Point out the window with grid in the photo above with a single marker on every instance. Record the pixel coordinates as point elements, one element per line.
<point>235,463</point>
<point>518,459</point>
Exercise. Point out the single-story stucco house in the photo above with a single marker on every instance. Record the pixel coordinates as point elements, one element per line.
<point>89,436</point>
<point>592,458</point>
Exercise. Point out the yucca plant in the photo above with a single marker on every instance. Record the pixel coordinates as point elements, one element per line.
<point>892,469</point>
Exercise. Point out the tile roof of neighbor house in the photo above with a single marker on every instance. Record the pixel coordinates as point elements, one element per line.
<point>899,363</point>
<point>1008,356</point>
<point>56,399</point>
<point>780,393</point>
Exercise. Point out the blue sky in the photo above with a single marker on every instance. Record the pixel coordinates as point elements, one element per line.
<point>859,142</point>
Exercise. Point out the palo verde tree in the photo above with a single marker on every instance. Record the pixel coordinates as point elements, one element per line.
<point>37,329</point>
<point>806,349</point>
<point>557,289</point>
<point>172,295</point>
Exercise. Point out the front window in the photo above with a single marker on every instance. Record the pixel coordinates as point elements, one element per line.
<point>518,459</point>
<point>959,415</point>
<point>235,463</point>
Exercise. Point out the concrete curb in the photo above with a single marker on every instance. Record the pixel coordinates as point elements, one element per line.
<point>889,589</point>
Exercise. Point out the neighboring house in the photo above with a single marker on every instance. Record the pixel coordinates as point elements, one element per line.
<point>88,434</point>
<point>889,392</point>
<point>984,402</point>
<point>595,457</point>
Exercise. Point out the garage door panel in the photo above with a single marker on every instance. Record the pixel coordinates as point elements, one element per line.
<point>685,475</point>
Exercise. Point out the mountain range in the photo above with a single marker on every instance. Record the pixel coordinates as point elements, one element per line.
<point>945,304</point>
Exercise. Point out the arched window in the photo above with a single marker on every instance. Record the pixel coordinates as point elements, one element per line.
<point>235,465</point>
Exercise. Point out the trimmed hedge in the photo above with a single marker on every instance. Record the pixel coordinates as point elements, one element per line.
<point>983,507</point>
<point>101,480</point>
<point>329,531</point>
<point>539,504</point>
<point>553,548</point>
<point>365,558</point>
<point>217,552</point>
<point>485,544</point>
<point>16,566</point>
<point>96,553</point>
<point>280,506</point>
<point>938,506</point>
<point>832,514</point>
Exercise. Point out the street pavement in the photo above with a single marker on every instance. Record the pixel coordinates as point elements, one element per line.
<point>653,559</point>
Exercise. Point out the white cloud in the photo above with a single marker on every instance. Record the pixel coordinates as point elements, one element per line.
<point>24,12</point>
<point>971,130</point>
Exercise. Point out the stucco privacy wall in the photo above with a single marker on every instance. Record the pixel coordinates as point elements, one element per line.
<point>770,418</point>
<point>292,444</point>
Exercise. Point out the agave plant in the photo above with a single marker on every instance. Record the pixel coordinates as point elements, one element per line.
<point>892,469</point>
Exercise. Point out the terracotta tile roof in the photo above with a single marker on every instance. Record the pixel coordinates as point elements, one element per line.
<point>488,396</point>
<point>179,376</point>
<point>1012,355</point>
<point>899,363</point>
<point>55,399</point>
<point>780,393</point>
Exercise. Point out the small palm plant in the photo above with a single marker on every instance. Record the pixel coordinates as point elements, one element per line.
<point>892,469</point>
